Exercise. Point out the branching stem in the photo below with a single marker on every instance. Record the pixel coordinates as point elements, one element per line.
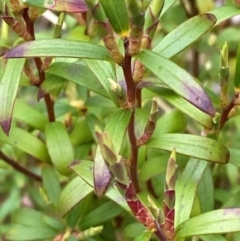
<point>20,168</point>
<point>48,102</point>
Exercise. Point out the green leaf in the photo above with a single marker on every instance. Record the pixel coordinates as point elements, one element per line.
<point>234,156</point>
<point>186,188</point>
<point>116,12</point>
<point>217,221</point>
<point>27,114</point>
<point>178,80</point>
<point>117,126</point>
<point>8,91</point>
<point>237,71</point>
<point>171,122</point>
<point>167,5</point>
<point>32,218</point>
<point>153,166</point>
<point>84,169</point>
<point>105,73</point>
<point>71,6</point>
<point>213,237</point>
<point>78,74</point>
<point>225,12</point>
<point>51,183</point>
<point>190,145</point>
<point>183,105</point>
<point>59,146</point>
<point>26,142</point>
<point>76,190</point>
<point>57,48</point>
<point>21,232</point>
<point>206,191</point>
<point>101,214</point>
<point>133,230</point>
<point>145,236</point>
<point>114,195</point>
<point>184,35</point>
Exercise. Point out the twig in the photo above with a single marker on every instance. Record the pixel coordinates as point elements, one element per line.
<point>48,102</point>
<point>131,93</point>
<point>19,168</point>
<point>224,115</point>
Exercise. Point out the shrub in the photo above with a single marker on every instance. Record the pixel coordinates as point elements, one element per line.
<point>117,121</point>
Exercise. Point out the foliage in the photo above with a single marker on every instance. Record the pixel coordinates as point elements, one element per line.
<point>113,126</point>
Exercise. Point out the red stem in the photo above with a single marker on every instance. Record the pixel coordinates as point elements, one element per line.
<point>131,93</point>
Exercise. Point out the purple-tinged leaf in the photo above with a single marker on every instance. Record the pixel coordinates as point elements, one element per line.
<point>101,174</point>
<point>71,6</point>
<point>8,91</point>
<point>178,80</point>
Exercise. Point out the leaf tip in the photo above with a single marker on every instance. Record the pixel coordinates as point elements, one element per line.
<point>211,17</point>
<point>6,124</point>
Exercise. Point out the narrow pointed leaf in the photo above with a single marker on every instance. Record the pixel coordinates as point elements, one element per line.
<point>26,142</point>
<point>105,73</point>
<point>177,79</point>
<point>114,195</point>
<point>145,236</point>
<point>59,146</point>
<point>8,91</point>
<point>117,126</point>
<point>186,188</point>
<point>78,74</point>
<point>190,145</point>
<point>21,232</point>
<point>183,105</point>
<point>32,218</point>
<point>59,48</point>
<point>167,5</point>
<point>185,34</point>
<point>225,12</point>
<point>83,169</point>
<point>100,214</point>
<point>51,183</point>
<point>76,190</point>
<point>29,115</point>
<point>217,221</point>
<point>116,12</point>
<point>71,6</point>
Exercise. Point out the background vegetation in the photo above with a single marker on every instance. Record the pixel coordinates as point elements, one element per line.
<point>119,120</point>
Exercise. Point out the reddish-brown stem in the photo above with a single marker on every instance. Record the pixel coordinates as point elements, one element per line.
<point>20,168</point>
<point>50,107</point>
<point>131,93</point>
<point>48,102</point>
<point>224,115</point>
